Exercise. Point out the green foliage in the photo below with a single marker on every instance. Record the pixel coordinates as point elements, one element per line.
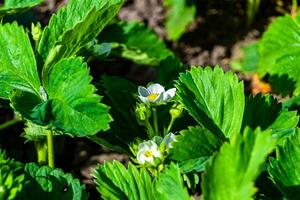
<point>199,145</point>
<point>134,41</point>
<point>14,6</point>
<point>169,185</point>
<point>47,183</point>
<point>214,99</point>
<point>17,63</point>
<point>114,181</point>
<point>285,168</point>
<point>231,173</point>
<point>180,14</point>
<point>267,113</point>
<point>11,177</point>
<point>76,110</point>
<point>119,94</point>
<point>286,61</point>
<point>249,61</point>
<point>73,27</point>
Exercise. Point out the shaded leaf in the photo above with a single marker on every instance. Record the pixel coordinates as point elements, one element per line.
<point>119,94</point>
<point>199,145</point>
<point>285,168</point>
<point>47,183</point>
<point>136,42</point>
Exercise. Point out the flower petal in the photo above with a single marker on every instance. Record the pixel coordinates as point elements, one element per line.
<point>159,98</point>
<point>144,99</point>
<point>143,91</point>
<point>171,92</point>
<point>156,88</point>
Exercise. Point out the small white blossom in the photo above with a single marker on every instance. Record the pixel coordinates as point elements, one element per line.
<point>155,93</point>
<point>147,152</point>
<point>169,139</point>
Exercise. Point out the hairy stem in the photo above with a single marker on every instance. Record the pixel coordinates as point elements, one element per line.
<point>170,125</point>
<point>9,123</point>
<point>155,123</point>
<point>151,132</point>
<point>41,149</point>
<point>50,149</point>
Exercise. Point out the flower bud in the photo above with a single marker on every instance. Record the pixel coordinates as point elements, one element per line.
<point>36,31</point>
<point>142,113</point>
<point>176,110</point>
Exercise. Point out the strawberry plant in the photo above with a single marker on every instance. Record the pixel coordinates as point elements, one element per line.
<point>192,132</point>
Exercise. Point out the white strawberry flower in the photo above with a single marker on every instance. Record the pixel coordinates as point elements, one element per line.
<point>155,93</point>
<point>147,152</point>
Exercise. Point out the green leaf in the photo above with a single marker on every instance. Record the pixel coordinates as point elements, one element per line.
<point>168,71</point>
<point>114,181</point>
<point>17,63</point>
<point>180,14</point>
<point>47,183</point>
<point>231,173</point>
<point>14,6</point>
<point>249,61</point>
<point>11,177</point>
<point>73,27</point>
<point>285,168</point>
<point>267,113</point>
<point>199,145</point>
<point>286,61</point>
<point>169,185</point>
<point>76,109</point>
<point>119,94</point>
<point>134,41</point>
<point>214,99</point>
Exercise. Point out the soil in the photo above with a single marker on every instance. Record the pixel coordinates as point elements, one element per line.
<point>213,39</point>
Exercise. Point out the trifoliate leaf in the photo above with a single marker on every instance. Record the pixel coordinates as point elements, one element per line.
<point>180,14</point>
<point>47,183</point>
<point>115,182</point>
<point>214,98</point>
<point>134,41</point>
<point>169,185</point>
<point>119,94</point>
<point>199,145</point>
<point>17,62</point>
<point>279,49</point>
<point>267,113</point>
<point>73,27</point>
<point>231,173</point>
<point>14,6</point>
<point>75,107</point>
<point>285,168</point>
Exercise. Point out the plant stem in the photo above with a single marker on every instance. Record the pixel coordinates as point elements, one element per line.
<point>151,133</point>
<point>154,110</point>
<point>170,125</point>
<point>9,123</point>
<point>41,149</point>
<point>50,149</point>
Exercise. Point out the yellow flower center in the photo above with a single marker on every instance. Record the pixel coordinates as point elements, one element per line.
<point>153,96</point>
<point>148,154</point>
